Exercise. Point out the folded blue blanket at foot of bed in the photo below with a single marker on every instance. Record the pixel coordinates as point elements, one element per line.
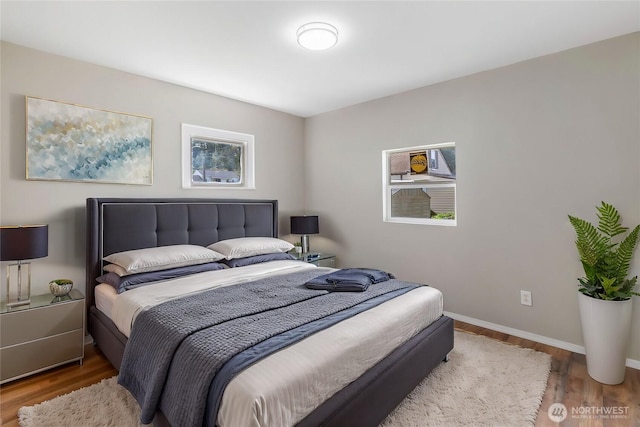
<point>349,280</point>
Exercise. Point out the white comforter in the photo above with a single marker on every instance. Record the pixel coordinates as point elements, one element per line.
<point>283,388</point>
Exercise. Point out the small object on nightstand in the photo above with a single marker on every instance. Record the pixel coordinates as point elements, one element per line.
<point>60,287</point>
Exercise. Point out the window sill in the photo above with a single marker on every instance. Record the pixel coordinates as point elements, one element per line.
<point>423,221</point>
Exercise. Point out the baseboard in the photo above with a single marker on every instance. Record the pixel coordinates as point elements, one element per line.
<point>632,363</point>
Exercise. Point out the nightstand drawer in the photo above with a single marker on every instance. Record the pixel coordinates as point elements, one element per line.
<point>29,325</point>
<point>33,356</point>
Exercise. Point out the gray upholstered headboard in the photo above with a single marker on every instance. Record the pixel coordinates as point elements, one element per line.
<point>115,225</point>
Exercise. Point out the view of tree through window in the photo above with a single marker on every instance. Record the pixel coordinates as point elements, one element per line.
<point>420,184</point>
<point>216,161</point>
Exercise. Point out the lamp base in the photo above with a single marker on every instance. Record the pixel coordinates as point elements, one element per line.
<point>18,303</point>
<point>20,268</point>
<point>304,242</point>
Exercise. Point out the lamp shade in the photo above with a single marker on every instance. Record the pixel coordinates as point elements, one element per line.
<point>19,242</point>
<point>304,225</point>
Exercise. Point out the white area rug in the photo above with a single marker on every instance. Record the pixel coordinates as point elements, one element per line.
<point>485,382</point>
<point>104,404</point>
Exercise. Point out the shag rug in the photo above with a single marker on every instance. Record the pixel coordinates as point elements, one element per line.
<point>486,382</point>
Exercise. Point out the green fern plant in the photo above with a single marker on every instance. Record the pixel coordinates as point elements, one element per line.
<point>605,261</point>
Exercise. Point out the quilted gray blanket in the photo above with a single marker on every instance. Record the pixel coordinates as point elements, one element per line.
<point>176,348</point>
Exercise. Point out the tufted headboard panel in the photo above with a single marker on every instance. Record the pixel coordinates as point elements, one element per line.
<point>115,225</point>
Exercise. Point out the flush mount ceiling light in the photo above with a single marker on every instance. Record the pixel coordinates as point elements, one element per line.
<point>317,36</point>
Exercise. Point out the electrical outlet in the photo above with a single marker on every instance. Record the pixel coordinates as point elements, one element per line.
<point>525,298</point>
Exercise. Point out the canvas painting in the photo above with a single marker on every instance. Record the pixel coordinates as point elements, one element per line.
<point>76,143</point>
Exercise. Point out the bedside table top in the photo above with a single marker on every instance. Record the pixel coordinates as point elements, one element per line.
<point>38,301</point>
<point>312,256</point>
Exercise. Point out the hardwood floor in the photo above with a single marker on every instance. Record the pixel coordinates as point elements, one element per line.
<point>55,382</point>
<point>568,384</point>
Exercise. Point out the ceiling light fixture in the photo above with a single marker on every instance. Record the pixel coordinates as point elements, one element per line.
<point>317,36</point>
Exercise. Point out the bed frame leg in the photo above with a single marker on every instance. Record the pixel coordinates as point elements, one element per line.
<point>446,358</point>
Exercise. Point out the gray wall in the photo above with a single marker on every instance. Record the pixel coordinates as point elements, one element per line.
<point>278,149</point>
<point>535,141</point>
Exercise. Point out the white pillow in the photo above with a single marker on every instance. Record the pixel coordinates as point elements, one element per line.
<point>249,246</point>
<point>115,268</point>
<point>161,258</point>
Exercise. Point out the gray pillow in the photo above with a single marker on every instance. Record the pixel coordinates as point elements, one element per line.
<point>240,262</point>
<point>133,281</point>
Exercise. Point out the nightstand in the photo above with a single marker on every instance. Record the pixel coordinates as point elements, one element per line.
<point>319,259</point>
<point>46,333</point>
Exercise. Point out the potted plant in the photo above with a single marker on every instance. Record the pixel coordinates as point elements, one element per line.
<point>605,292</point>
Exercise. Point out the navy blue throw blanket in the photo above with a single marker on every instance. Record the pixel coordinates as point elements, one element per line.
<point>349,280</point>
<point>253,354</point>
<point>177,348</point>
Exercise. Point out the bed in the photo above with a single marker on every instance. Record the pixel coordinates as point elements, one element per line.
<point>115,225</point>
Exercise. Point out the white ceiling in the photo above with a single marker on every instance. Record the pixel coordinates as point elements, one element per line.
<point>247,50</point>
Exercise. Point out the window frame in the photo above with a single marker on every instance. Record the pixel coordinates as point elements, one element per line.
<point>210,135</point>
<point>433,160</point>
<point>388,186</point>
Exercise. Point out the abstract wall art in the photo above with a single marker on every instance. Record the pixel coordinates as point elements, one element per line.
<point>69,142</point>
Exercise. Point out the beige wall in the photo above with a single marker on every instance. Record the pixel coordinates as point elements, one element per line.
<point>535,141</point>
<point>530,143</point>
<point>278,149</point>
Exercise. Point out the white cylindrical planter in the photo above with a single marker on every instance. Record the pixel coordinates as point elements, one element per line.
<point>606,329</point>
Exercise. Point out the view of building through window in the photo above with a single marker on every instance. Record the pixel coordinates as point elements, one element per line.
<point>420,184</point>
<point>216,161</point>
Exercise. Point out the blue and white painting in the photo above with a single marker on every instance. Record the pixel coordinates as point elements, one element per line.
<point>76,143</point>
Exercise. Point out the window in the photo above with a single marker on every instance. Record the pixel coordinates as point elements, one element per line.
<point>433,159</point>
<point>419,184</point>
<point>215,161</point>
<point>213,158</point>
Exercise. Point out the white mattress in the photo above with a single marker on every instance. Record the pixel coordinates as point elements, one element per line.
<point>283,388</point>
<point>105,295</point>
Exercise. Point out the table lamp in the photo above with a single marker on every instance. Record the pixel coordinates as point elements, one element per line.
<point>18,243</point>
<point>304,225</point>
